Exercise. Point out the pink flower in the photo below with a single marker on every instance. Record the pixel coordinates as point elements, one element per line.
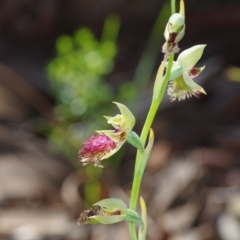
<point>107,142</point>
<point>95,149</point>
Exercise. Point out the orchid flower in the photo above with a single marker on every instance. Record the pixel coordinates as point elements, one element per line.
<point>183,71</point>
<point>174,31</point>
<point>107,142</point>
<point>109,211</point>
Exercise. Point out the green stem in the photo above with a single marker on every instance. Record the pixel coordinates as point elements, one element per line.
<point>173,6</point>
<point>147,125</point>
<point>139,168</point>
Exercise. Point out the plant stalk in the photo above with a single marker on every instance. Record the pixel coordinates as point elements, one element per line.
<point>147,125</point>
<point>139,168</point>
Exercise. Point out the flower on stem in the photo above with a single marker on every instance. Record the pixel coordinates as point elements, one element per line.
<point>107,211</point>
<point>183,71</point>
<point>107,142</point>
<point>174,32</point>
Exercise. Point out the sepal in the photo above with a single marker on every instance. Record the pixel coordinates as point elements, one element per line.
<point>125,121</point>
<point>189,57</point>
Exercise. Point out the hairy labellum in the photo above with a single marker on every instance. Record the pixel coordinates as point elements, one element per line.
<point>95,149</point>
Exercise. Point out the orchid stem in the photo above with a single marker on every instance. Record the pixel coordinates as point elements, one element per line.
<point>139,168</point>
<point>138,172</point>
<point>173,6</point>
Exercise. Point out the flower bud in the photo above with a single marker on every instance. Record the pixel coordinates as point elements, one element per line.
<point>174,31</point>
<point>175,28</point>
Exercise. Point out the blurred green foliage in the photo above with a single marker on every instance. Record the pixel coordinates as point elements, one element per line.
<point>77,78</point>
<point>77,74</point>
<point>82,95</point>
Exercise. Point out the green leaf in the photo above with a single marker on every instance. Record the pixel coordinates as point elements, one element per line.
<point>135,140</point>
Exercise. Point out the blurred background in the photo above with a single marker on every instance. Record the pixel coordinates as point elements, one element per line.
<point>62,63</point>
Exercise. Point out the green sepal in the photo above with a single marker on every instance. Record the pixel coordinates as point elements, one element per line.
<point>135,140</point>
<point>112,203</point>
<point>127,115</point>
<point>189,57</point>
<point>132,216</point>
<point>107,219</point>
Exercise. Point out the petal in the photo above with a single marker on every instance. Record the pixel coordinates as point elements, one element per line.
<point>195,88</point>
<point>123,122</point>
<point>116,121</point>
<point>188,58</point>
<point>181,89</point>
<point>127,114</point>
<point>196,71</point>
